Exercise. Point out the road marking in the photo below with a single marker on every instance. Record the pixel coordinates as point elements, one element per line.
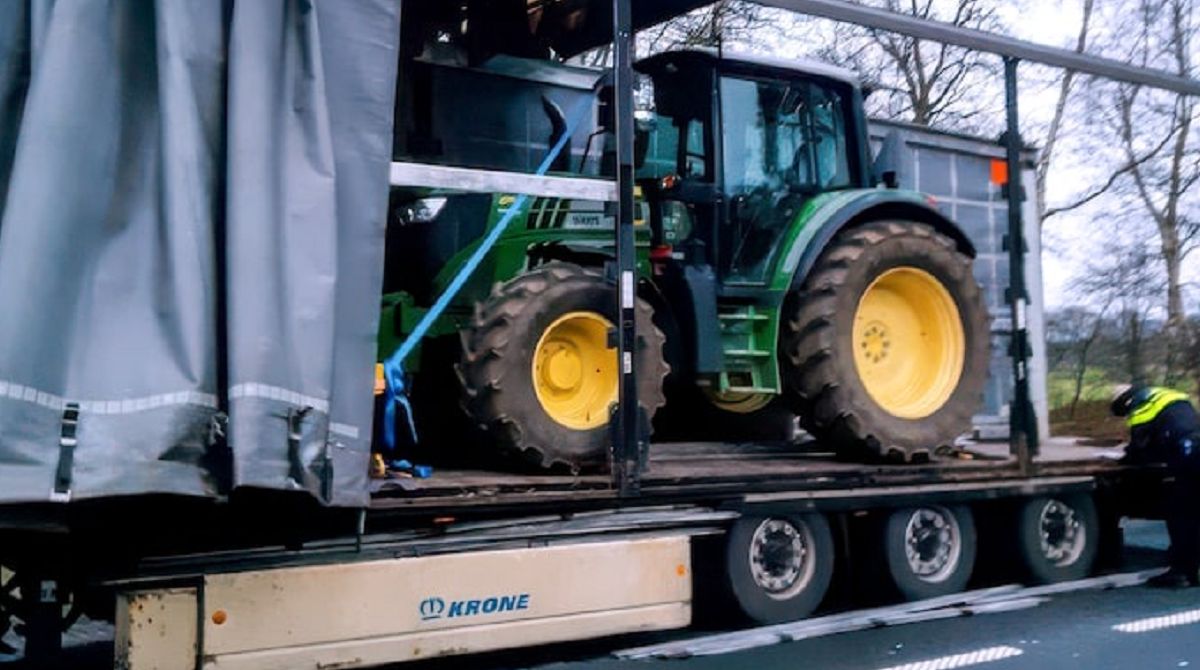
<point>976,657</point>
<point>1159,622</point>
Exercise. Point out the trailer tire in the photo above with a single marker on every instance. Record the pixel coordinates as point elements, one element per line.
<point>536,371</point>
<point>884,351</point>
<point>779,568</point>
<point>930,550</point>
<point>1058,537</point>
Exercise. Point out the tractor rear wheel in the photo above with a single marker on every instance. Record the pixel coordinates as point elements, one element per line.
<point>537,370</point>
<point>886,348</point>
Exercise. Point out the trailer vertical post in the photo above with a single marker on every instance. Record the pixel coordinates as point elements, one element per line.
<point>43,625</point>
<point>630,434</point>
<point>1022,420</point>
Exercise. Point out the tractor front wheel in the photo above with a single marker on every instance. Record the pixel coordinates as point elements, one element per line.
<point>537,370</point>
<point>886,348</point>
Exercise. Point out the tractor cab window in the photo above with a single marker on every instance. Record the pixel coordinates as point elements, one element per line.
<point>783,141</point>
<point>783,135</point>
<point>675,147</point>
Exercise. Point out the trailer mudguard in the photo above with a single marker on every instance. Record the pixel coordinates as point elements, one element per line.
<point>828,214</point>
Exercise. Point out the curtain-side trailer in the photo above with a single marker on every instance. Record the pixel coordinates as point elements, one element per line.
<point>195,224</point>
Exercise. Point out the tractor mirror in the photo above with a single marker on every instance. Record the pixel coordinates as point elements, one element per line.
<point>889,161</point>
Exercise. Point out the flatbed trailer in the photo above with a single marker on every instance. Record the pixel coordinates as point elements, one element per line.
<point>196,593</point>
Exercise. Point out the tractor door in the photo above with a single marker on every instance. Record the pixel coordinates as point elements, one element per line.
<point>783,141</point>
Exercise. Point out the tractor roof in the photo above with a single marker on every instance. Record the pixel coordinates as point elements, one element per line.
<point>783,66</point>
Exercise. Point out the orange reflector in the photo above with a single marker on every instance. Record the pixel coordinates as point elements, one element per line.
<point>681,570</point>
<point>219,617</point>
<point>380,381</point>
<point>443,520</point>
<point>999,171</point>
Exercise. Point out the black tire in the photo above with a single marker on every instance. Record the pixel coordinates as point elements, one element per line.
<point>1073,527</point>
<point>496,365</point>
<point>800,594</point>
<point>945,577</point>
<point>818,349</point>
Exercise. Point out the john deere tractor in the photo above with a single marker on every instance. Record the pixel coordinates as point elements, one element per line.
<point>778,268</point>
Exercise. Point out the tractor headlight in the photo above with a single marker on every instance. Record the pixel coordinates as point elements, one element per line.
<point>424,210</point>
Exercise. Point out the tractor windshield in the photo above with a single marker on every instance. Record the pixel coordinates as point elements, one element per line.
<point>783,135</point>
<point>783,141</point>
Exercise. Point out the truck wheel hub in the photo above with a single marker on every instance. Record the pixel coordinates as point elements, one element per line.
<point>780,558</point>
<point>909,342</point>
<point>932,543</point>
<point>1063,537</point>
<point>574,371</point>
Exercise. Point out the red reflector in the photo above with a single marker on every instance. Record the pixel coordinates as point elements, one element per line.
<point>661,253</point>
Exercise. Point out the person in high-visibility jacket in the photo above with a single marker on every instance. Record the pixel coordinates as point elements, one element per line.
<point>1164,428</point>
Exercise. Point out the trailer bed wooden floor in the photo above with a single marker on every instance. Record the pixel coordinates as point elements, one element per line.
<point>716,470</point>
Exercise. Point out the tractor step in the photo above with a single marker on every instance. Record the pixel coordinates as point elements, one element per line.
<point>748,337</point>
<point>748,353</point>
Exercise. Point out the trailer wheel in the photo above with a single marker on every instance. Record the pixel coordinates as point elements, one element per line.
<point>779,568</point>
<point>537,370</point>
<point>930,550</point>
<point>885,349</point>
<point>1058,537</point>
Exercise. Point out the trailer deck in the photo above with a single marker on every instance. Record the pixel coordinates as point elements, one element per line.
<point>748,472</point>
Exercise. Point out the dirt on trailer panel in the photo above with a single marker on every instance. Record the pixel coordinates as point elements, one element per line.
<point>691,471</point>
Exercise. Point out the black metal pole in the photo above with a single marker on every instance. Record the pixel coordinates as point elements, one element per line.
<point>43,625</point>
<point>629,436</point>
<point>1023,432</point>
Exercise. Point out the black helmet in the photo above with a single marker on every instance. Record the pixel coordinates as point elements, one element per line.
<point>1129,397</point>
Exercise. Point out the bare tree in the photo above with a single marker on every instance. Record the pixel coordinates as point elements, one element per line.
<point>1050,141</point>
<point>727,22</point>
<point>920,81</point>
<point>1128,280</point>
<point>1072,334</point>
<point>1159,150</point>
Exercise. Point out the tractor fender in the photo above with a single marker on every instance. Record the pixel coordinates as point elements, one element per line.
<point>845,210</point>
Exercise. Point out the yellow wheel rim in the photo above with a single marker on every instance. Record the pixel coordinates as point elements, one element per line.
<point>909,345</point>
<point>574,372</point>
<point>736,402</point>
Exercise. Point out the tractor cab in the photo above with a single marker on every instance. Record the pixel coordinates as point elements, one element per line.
<point>740,146</point>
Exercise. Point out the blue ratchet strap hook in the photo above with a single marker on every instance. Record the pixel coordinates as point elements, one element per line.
<point>393,367</point>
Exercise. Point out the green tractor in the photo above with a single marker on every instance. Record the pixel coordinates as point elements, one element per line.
<point>777,268</point>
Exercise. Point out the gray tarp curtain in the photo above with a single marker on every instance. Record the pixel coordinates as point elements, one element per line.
<point>192,198</point>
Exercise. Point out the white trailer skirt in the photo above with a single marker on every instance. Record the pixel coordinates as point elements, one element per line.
<point>369,613</point>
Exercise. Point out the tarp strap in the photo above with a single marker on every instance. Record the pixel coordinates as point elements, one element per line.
<point>67,441</point>
<point>393,367</point>
<point>295,423</point>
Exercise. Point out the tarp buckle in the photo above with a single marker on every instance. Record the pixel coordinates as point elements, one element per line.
<point>67,441</point>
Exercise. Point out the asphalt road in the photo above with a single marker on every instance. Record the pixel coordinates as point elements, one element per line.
<point>1136,627</point>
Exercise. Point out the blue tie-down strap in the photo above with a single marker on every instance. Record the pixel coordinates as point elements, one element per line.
<point>397,389</point>
<point>396,397</point>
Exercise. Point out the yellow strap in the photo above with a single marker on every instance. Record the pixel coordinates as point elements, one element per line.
<point>1157,402</point>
